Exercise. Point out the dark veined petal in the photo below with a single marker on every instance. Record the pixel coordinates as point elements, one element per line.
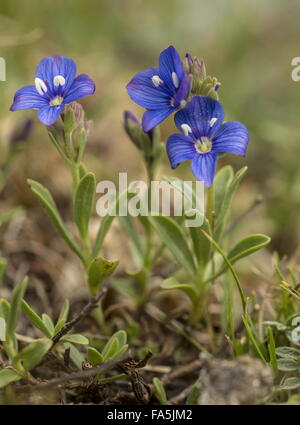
<point>203,114</point>
<point>204,167</point>
<point>232,137</point>
<point>170,64</point>
<point>180,148</point>
<point>82,86</point>
<point>183,91</point>
<point>28,98</point>
<point>49,114</point>
<point>53,66</point>
<point>142,90</point>
<point>152,118</point>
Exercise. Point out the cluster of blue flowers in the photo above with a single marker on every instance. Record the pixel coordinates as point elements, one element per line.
<point>161,91</point>
<point>204,137</point>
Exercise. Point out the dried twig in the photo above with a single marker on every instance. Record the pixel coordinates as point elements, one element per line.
<point>84,312</point>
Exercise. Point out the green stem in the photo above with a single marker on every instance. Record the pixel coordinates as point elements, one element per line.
<point>210,208</point>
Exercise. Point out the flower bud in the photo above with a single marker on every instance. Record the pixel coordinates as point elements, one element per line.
<point>202,84</point>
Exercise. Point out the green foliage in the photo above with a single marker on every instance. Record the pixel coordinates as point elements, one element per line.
<point>84,201</point>
<point>45,198</point>
<point>160,391</point>
<point>99,269</point>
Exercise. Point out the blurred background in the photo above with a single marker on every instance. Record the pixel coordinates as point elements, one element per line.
<point>247,45</point>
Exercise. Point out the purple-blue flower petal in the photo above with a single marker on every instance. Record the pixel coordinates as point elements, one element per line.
<point>82,86</point>
<point>183,91</point>
<point>152,118</point>
<point>180,148</point>
<point>52,66</point>
<point>28,98</point>
<point>232,137</point>
<point>204,167</point>
<point>203,114</point>
<point>169,63</point>
<point>49,114</point>
<point>142,90</point>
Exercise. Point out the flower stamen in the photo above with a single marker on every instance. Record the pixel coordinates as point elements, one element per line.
<point>203,145</point>
<point>156,80</point>
<point>40,86</point>
<point>57,100</point>
<point>59,80</point>
<point>186,129</point>
<point>175,80</point>
<point>212,121</point>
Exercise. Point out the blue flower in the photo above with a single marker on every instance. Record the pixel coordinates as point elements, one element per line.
<point>205,137</point>
<point>160,90</point>
<point>55,86</point>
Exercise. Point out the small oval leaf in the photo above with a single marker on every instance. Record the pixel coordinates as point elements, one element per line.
<point>84,201</point>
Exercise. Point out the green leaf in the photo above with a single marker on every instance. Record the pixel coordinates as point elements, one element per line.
<point>15,309</point>
<point>34,353</point>
<point>107,222</point>
<point>121,351</point>
<point>159,391</point>
<point>4,309</point>
<point>221,182</point>
<point>288,352</point>
<point>7,376</point>
<point>99,269</point>
<point>287,365</point>
<point>193,397</point>
<point>136,245</point>
<point>75,339</point>
<point>229,265</point>
<point>121,337</point>
<point>202,246</point>
<point>83,203</point>
<point>35,319</point>
<point>48,323</point>
<point>247,246</point>
<point>59,325</point>
<point>272,350</point>
<point>2,329</point>
<point>229,193</point>
<point>111,348</point>
<point>173,237</point>
<point>94,357</point>
<point>102,232</point>
<point>189,290</point>
<point>45,198</point>
<point>75,355</point>
<point>290,384</point>
<point>3,266</point>
<point>279,326</point>
<point>64,312</point>
<point>253,337</point>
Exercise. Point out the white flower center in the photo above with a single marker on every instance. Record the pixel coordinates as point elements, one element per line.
<point>186,129</point>
<point>40,86</point>
<point>203,145</point>
<point>157,81</point>
<point>57,100</point>
<point>59,80</point>
<point>212,121</point>
<point>175,79</point>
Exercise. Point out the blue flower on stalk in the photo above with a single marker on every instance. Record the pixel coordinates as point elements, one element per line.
<point>160,90</point>
<point>205,137</point>
<point>55,85</point>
